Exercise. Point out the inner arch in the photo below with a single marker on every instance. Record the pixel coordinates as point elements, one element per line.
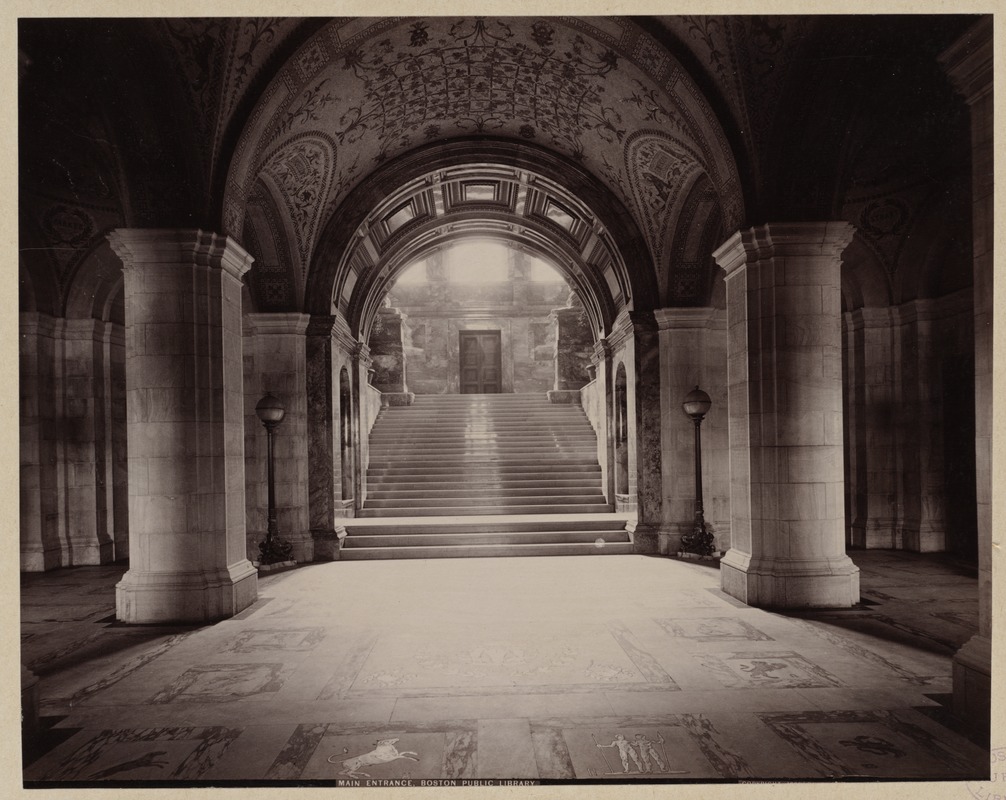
<point>489,190</point>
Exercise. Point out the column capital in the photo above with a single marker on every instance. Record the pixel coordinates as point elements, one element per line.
<point>629,323</point>
<point>334,327</point>
<point>968,61</point>
<point>320,325</point>
<point>361,354</point>
<point>277,324</point>
<point>602,351</point>
<point>143,246</point>
<point>782,239</point>
<point>689,318</point>
<point>869,317</point>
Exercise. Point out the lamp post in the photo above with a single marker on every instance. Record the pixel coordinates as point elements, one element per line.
<point>270,412</point>
<point>696,405</point>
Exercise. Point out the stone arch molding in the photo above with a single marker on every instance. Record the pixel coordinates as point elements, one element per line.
<point>484,201</point>
<point>580,88</point>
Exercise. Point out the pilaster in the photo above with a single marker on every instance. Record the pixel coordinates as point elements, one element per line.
<point>969,64</point>
<point>693,353</point>
<point>276,363</point>
<point>635,344</point>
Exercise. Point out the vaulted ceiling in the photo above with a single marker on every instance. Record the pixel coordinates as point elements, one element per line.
<point>262,128</point>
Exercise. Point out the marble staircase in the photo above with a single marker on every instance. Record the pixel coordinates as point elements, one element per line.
<point>449,457</point>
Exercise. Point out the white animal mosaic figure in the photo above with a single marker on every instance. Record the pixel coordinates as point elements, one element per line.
<point>383,752</point>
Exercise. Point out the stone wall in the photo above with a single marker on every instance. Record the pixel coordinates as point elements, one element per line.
<point>693,352</point>
<point>275,363</point>
<point>72,442</point>
<point>437,311</point>
<point>909,428</point>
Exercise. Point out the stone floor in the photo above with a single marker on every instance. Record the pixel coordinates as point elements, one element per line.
<point>615,668</point>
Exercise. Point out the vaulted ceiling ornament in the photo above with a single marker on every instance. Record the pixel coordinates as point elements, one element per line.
<point>581,87</point>
<point>660,169</point>
<point>302,172</point>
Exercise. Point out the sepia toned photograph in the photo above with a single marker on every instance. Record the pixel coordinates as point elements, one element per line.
<point>502,400</point>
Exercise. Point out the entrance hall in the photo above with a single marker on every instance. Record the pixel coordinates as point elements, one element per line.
<point>360,309</point>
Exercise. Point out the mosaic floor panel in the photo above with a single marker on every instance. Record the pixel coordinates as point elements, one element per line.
<point>500,668</point>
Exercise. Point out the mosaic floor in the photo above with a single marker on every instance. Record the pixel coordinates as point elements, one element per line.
<point>618,668</point>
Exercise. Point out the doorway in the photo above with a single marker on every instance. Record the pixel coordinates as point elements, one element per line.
<point>481,362</point>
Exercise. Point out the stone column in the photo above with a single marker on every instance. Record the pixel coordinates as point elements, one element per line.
<point>922,523</point>
<point>597,400</point>
<point>276,360</point>
<point>361,423</point>
<point>324,488</point>
<point>40,450</point>
<point>635,342</point>
<point>69,480</point>
<point>968,62</point>
<point>693,351</point>
<point>871,426</point>
<point>573,348</point>
<point>184,399</point>
<point>785,405</point>
<point>88,442</point>
<point>387,351</point>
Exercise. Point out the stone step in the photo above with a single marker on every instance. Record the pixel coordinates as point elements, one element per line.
<point>461,440</point>
<point>500,399</point>
<point>447,490</point>
<point>486,551</point>
<point>384,484</point>
<point>451,510</point>
<point>485,476</point>
<point>481,455</point>
<point>574,523</point>
<point>519,433</point>
<point>359,540</point>
<point>537,462</point>
<point>474,500</point>
<point>556,452</point>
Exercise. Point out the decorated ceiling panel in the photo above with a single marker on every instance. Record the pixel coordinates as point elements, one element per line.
<point>584,88</point>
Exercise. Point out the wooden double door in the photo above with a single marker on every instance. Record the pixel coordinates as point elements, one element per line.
<point>481,362</point>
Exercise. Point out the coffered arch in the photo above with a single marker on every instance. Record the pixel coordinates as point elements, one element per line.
<point>549,203</point>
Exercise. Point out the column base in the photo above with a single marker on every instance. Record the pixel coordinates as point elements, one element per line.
<point>925,539</point>
<point>303,547</point>
<point>81,555</point>
<point>972,670</point>
<point>645,537</point>
<point>40,560</point>
<point>767,583</point>
<point>150,597</point>
<point>876,534</point>
<point>669,539</point>
<point>328,544</point>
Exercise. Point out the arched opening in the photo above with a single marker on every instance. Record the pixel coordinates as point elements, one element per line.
<point>480,316</point>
